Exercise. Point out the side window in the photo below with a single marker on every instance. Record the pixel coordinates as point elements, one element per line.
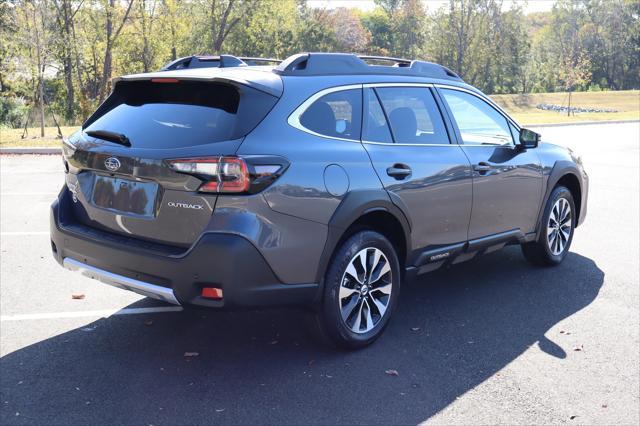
<point>337,115</point>
<point>478,122</point>
<point>375,128</point>
<point>515,133</point>
<point>413,115</point>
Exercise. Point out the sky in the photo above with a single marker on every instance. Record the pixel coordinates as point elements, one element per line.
<point>531,5</point>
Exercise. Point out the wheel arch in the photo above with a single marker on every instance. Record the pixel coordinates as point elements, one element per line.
<point>563,173</point>
<point>572,183</point>
<point>361,210</point>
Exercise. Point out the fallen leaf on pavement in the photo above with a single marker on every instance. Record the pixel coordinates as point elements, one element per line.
<point>77,296</point>
<point>275,342</point>
<point>191,354</point>
<point>148,322</point>
<point>415,328</point>
<point>392,372</point>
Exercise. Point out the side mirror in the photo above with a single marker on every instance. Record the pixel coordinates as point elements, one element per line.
<point>529,138</point>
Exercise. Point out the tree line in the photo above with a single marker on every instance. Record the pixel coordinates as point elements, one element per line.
<point>57,57</point>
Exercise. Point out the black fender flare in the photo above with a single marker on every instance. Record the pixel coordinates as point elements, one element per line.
<point>353,206</point>
<point>558,171</point>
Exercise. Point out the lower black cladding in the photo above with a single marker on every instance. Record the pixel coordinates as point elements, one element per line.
<point>220,260</point>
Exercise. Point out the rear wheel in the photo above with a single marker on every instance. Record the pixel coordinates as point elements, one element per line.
<point>555,237</point>
<point>361,288</point>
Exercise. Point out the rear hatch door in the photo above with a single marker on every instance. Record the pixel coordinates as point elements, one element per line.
<point>118,171</point>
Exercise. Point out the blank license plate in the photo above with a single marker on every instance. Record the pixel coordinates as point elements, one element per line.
<point>125,195</point>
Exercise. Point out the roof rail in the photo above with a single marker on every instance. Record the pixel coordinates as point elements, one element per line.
<point>204,61</point>
<point>397,61</point>
<point>217,61</point>
<point>257,61</point>
<point>345,63</point>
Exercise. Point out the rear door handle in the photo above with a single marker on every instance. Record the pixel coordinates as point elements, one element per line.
<point>482,167</point>
<point>399,171</point>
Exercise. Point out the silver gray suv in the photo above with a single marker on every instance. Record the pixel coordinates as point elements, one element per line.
<point>325,181</point>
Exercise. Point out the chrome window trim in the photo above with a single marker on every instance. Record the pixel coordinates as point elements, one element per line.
<point>294,117</point>
<point>410,144</point>
<point>370,85</point>
<point>492,104</point>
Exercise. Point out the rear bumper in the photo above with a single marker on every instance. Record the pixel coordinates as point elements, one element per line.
<point>120,281</point>
<point>220,260</point>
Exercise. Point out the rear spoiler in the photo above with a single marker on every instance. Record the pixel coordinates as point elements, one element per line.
<point>266,82</point>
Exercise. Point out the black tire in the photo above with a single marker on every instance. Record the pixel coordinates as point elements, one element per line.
<point>328,319</point>
<point>539,252</point>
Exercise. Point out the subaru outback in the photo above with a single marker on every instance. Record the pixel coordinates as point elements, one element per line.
<point>325,182</point>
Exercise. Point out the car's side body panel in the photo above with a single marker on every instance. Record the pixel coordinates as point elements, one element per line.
<point>291,245</point>
<point>505,197</point>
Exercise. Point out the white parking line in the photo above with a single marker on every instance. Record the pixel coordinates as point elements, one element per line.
<point>8,234</point>
<point>99,313</point>
<point>17,194</point>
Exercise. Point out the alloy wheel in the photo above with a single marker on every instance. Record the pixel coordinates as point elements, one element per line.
<point>365,290</point>
<point>559,226</point>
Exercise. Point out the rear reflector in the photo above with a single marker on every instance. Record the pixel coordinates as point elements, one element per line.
<point>212,293</point>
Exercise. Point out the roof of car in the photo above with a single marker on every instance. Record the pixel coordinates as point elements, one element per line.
<point>269,79</point>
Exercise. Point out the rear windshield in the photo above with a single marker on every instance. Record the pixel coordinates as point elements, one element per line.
<point>186,113</point>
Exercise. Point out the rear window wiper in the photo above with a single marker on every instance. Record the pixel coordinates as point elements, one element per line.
<point>110,136</point>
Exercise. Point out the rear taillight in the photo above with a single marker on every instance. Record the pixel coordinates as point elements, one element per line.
<point>230,174</point>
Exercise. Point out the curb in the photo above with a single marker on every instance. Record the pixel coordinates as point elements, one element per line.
<point>580,123</point>
<point>30,151</point>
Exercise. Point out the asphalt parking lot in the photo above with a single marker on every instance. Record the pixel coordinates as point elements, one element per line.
<point>493,340</point>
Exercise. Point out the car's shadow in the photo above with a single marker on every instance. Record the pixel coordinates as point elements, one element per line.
<point>453,329</point>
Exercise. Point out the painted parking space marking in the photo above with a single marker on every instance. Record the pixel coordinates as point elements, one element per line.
<point>19,194</point>
<point>97,313</point>
<point>20,233</point>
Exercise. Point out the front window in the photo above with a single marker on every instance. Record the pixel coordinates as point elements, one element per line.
<point>479,123</point>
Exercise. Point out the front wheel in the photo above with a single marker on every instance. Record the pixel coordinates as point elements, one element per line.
<point>361,288</point>
<point>558,223</point>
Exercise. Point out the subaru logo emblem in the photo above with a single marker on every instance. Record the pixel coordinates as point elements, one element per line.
<point>112,164</point>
